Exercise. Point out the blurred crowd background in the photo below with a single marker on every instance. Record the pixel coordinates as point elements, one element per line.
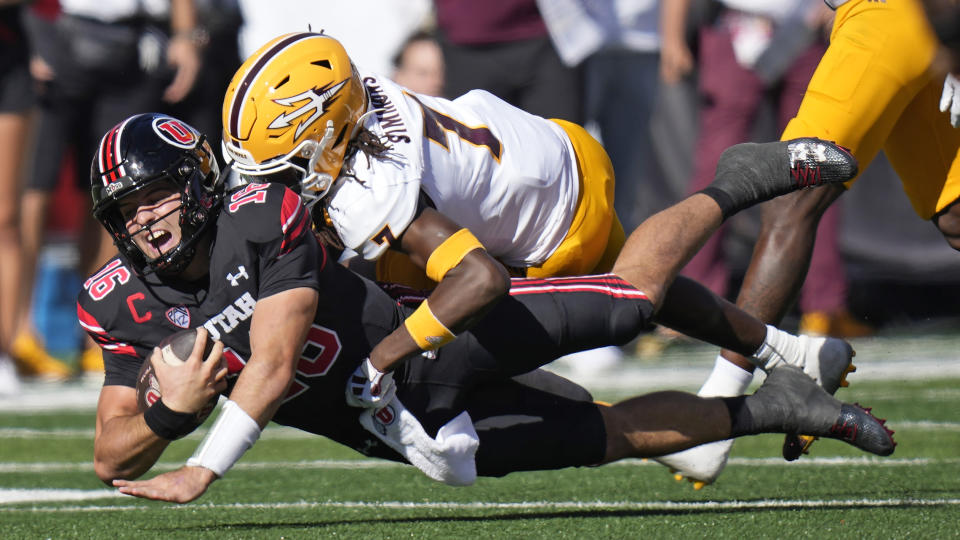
<point>664,84</point>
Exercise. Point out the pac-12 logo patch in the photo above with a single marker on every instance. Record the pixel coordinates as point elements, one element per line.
<point>175,132</point>
<point>179,316</point>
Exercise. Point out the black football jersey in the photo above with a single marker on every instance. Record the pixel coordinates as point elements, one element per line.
<point>263,245</point>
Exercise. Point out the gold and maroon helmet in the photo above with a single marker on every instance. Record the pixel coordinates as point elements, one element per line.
<point>290,111</point>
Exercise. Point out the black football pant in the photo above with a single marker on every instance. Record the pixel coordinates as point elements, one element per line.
<point>527,418</point>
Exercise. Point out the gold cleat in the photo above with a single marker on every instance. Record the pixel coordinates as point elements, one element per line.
<point>33,360</point>
<point>841,324</point>
<point>850,369</point>
<point>91,361</point>
<point>697,484</point>
<point>805,442</point>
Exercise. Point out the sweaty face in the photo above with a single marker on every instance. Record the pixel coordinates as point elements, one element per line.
<point>151,217</point>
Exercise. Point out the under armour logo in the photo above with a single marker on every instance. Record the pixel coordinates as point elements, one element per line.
<point>802,151</point>
<point>241,273</point>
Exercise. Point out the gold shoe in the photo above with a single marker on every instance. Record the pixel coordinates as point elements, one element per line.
<point>91,361</point>
<point>33,360</point>
<point>840,324</point>
<point>652,344</point>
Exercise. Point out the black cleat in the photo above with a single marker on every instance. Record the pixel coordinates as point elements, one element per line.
<point>751,173</point>
<point>857,426</point>
<point>815,162</point>
<point>829,361</point>
<point>791,402</point>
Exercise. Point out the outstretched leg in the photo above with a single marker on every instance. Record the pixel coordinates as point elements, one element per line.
<point>747,174</point>
<point>662,245</point>
<point>787,402</point>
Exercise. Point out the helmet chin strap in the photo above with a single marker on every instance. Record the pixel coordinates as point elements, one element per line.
<point>315,185</point>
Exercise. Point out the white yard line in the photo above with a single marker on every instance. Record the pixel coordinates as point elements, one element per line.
<point>14,496</point>
<point>272,432</point>
<point>44,467</point>
<point>523,505</point>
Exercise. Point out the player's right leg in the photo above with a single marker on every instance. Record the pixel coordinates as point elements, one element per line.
<point>787,402</point>
<point>825,360</point>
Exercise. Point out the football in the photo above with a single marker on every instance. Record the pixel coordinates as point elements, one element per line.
<point>175,349</point>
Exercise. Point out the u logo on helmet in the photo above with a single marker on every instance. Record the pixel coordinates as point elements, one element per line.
<point>175,132</point>
<point>315,106</point>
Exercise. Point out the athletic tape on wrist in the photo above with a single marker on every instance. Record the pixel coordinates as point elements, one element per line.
<point>169,424</point>
<point>426,330</point>
<point>723,199</point>
<point>232,434</point>
<point>450,253</point>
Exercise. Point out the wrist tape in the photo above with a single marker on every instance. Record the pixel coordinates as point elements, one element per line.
<point>169,424</point>
<point>232,434</point>
<point>426,329</point>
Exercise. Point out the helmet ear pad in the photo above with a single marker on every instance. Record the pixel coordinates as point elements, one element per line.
<point>149,148</point>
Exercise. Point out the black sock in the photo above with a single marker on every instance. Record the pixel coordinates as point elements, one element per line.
<point>741,421</point>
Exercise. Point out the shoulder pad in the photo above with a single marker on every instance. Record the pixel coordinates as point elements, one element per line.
<point>370,216</point>
<point>265,212</point>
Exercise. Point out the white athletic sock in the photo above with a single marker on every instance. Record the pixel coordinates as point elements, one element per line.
<point>727,379</point>
<point>779,347</point>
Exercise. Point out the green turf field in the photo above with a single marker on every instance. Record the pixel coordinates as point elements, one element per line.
<point>294,486</point>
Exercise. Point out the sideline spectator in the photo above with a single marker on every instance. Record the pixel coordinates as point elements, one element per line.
<point>504,47</point>
<point>419,65</point>
<point>16,99</point>
<point>97,63</point>
<point>617,43</point>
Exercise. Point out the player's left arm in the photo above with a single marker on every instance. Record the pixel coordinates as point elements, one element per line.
<point>470,280</point>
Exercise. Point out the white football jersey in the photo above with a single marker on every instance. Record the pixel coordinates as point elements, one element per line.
<point>508,176</point>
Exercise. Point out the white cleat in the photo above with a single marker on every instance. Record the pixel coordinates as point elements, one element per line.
<point>826,360</point>
<point>9,381</point>
<point>700,465</point>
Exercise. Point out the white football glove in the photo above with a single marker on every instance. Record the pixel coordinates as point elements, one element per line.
<point>950,99</point>
<point>370,388</point>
